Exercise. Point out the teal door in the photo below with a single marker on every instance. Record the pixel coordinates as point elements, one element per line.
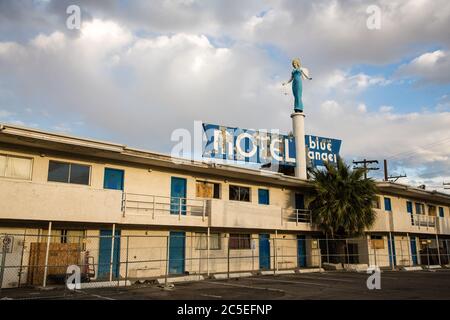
<point>177,243</point>
<point>301,251</point>
<point>104,257</point>
<point>264,251</point>
<point>113,179</point>
<point>392,257</point>
<point>178,196</point>
<point>414,251</point>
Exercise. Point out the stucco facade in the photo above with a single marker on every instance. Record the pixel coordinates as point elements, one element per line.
<point>144,213</point>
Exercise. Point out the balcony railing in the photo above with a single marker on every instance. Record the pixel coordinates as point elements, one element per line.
<point>134,203</point>
<point>297,215</point>
<point>422,220</point>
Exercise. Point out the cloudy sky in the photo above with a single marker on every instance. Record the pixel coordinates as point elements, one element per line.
<point>137,70</point>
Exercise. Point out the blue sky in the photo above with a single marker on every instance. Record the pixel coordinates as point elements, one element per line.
<point>138,70</point>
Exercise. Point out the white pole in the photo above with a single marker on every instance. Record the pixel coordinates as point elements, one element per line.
<point>275,251</point>
<point>207,250</point>
<point>111,261</point>
<point>47,253</point>
<point>298,125</point>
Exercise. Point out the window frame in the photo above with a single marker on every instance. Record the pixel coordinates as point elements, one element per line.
<point>239,193</point>
<point>70,170</point>
<point>31,159</point>
<point>240,238</point>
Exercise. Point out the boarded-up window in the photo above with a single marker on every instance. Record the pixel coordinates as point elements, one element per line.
<point>207,190</point>
<point>239,241</point>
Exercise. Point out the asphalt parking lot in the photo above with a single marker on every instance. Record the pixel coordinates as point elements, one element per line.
<point>316,286</point>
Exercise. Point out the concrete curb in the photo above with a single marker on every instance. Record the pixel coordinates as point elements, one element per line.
<point>232,275</point>
<point>180,279</point>
<point>105,284</point>
<point>415,268</point>
<point>312,270</point>
<point>432,267</point>
<point>271,273</point>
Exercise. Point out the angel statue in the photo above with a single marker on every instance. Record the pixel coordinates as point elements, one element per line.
<point>298,73</point>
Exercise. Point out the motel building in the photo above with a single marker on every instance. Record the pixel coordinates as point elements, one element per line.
<point>63,198</point>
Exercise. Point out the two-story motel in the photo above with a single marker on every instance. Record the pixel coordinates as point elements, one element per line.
<point>82,187</point>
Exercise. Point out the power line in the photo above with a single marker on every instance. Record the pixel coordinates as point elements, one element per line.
<point>408,153</point>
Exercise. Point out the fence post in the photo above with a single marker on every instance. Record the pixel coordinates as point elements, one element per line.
<point>328,252</point>
<point>207,250</point>
<point>21,260</point>
<point>179,208</point>
<point>167,260</point>
<point>410,258</point>
<point>346,251</point>
<point>47,251</point>
<point>228,259</point>
<point>111,260</point>
<point>275,252</point>
<point>126,263</point>
<point>2,264</point>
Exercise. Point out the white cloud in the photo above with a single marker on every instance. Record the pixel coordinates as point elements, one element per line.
<point>429,67</point>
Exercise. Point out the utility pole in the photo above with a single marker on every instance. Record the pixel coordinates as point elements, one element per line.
<point>387,177</point>
<point>365,162</point>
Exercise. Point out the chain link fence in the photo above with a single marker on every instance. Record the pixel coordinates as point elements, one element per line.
<point>129,257</point>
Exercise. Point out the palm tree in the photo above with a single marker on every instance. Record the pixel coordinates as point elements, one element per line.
<point>342,204</point>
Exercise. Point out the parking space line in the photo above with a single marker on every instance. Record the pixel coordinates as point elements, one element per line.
<point>325,278</point>
<point>289,281</point>
<point>244,286</point>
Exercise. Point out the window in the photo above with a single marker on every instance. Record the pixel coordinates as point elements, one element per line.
<point>15,167</point>
<point>420,208</point>
<point>214,241</point>
<point>239,241</point>
<point>409,207</point>
<point>113,179</point>
<point>432,210</point>
<point>376,203</point>
<point>238,193</point>
<point>387,204</point>
<point>263,196</point>
<point>68,173</point>
<point>207,190</point>
<point>441,212</point>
